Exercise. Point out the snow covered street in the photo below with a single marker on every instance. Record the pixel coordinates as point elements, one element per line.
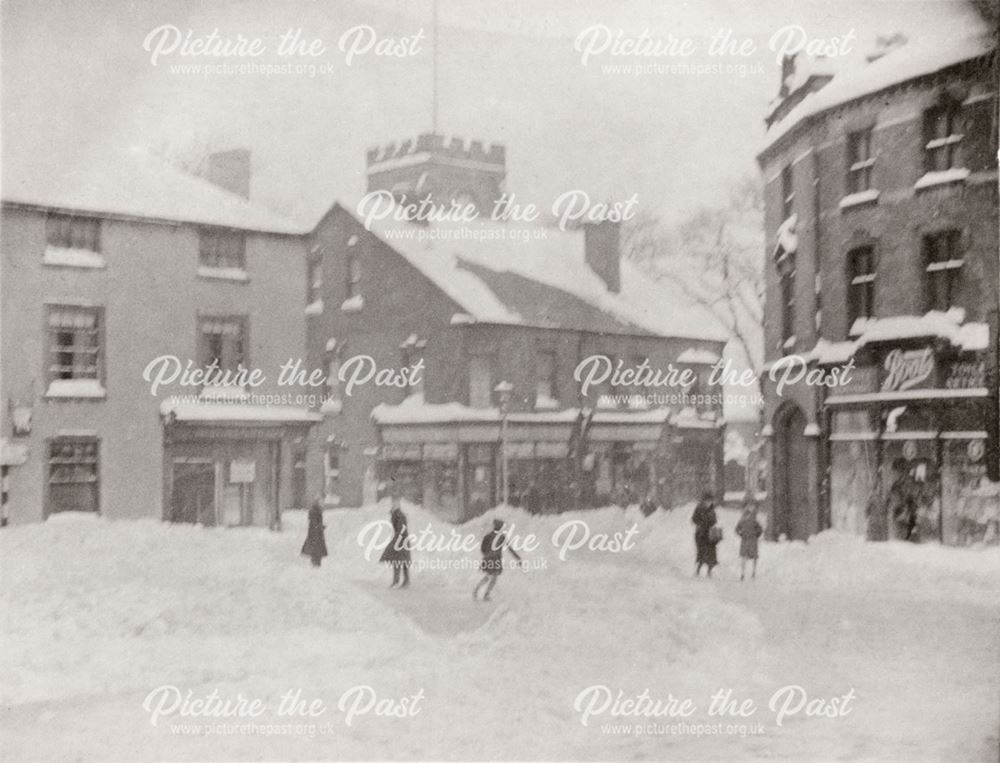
<point>99,615</point>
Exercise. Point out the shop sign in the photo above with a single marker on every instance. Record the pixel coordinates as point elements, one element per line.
<point>242,471</point>
<point>519,450</point>
<point>966,374</point>
<point>551,450</point>
<point>441,451</point>
<point>393,451</point>
<point>905,369</point>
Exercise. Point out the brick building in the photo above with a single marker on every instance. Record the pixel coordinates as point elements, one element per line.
<point>481,307</point>
<point>108,264</point>
<point>882,223</point>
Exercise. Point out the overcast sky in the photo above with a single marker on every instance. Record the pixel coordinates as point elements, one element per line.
<point>76,79</point>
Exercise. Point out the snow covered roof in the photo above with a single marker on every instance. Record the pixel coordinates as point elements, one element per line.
<point>131,183</point>
<point>908,61</point>
<point>948,325</point>
<point>496,276</point>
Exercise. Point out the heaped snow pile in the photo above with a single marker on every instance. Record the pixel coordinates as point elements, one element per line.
<point>99,616</point>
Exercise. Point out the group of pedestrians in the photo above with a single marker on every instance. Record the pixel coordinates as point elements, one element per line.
<point>708,535</point>
<point>397,552</point>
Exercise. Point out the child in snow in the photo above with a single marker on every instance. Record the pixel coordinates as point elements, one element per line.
<point>315,545</point>
<point>706,535</point>
<point>492,547</point>
<point>397,553</point>
<point>749,530</point>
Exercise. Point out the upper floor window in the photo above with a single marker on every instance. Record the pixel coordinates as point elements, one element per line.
<point>787,192</point>
<point>942,137</point>
<point>480,381</point>
<point>545,382</point>
<point>943,261</point>
<point>859,161</point>
<point>314,280</point>
<point>861,283</point>
<point>75,351</point>
<point>222,341</point>
<point>72,232</point>
<point>222,248</point>
<point>412,351</point>
<point>786,284</point>
<point>353,284</point>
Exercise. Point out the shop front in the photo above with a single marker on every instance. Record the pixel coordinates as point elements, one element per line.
<point>232,469</point>
<point>907,447</point>
<point>555,461</point>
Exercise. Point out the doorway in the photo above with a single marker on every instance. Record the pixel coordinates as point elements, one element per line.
<point>792,504</point>
<point>194,492</point>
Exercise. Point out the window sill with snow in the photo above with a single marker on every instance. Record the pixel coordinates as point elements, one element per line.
<point>859,199</point>
<point>62,257</point>
<point>234,275</point>
<point>76,389</point>
<point>943,177</point>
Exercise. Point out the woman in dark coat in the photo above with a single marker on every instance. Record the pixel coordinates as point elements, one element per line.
<point>315,545</point>
<point>397,553</point>
<point>704,519</point>
<point>749,530</point>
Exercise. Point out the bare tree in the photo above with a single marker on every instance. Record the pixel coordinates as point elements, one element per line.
<point>717,257</point>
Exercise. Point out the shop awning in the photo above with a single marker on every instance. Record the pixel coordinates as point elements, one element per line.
<point>908,396</point>
<point>212,412</point>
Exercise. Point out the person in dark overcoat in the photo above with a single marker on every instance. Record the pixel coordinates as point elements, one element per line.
<point>494,542</point>
<point>749,530</point>
<point>397,553</point>
<point>704,520</point>
<point>315,545</point>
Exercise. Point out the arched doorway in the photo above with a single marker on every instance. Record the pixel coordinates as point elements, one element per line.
<point>791,474</point>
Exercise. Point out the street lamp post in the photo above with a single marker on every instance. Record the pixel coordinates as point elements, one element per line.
<point>503,390</point>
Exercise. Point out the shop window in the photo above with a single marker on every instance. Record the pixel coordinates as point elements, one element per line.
<point>942,137</point>
<point>75,344</point>
<point>222,342</point>
<point>73,232</point>
<point>861,284</point>
<point>859,161</point>
<point>943,261</point>
<point>73,475</point>
<point>221,248</point>
<point>480,381</point>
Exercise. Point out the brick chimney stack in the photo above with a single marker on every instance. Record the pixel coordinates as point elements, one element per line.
<point>230,170</point>
<point>601,245</point>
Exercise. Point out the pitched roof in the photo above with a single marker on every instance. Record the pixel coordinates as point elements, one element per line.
<point>538,276</point>
<point>132,184</point>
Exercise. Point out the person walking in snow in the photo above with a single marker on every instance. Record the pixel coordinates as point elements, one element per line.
<point>315,545</point>
<point>749,530</point>
<point>902,501</point>
<point>397,553</point>
<point>492,547</point>
<point>706,534</point>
